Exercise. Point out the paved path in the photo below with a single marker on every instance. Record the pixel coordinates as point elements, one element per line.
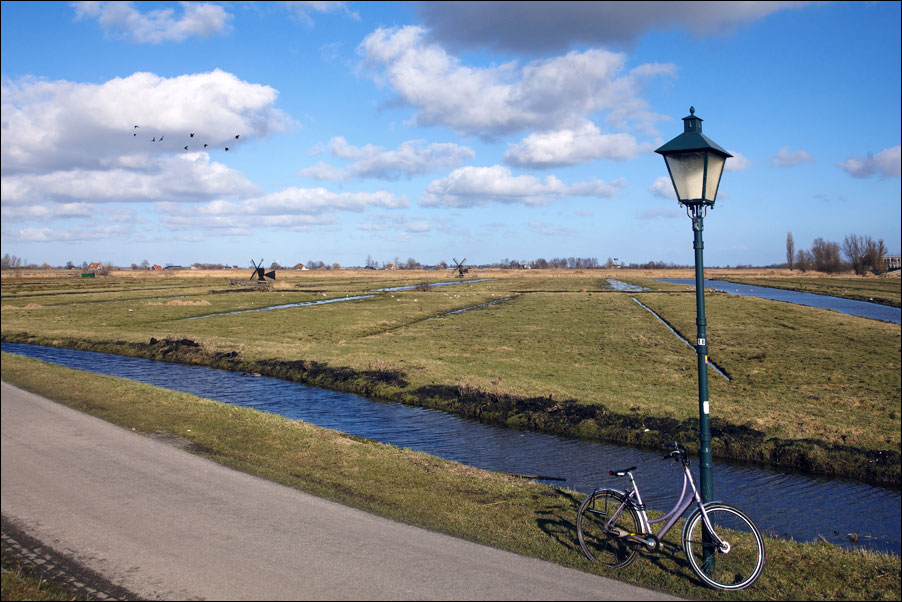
<point>166,524</point>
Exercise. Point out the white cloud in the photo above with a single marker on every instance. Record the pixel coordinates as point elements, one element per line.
<point>77,234</point>
<point>411,158</point>
<point>541,27</point>
<point>788,158</point>
<point>887,162</point>
<point>581,144</point>
<point>24,213</point>
<point>291,208</point>
<point>663,187</point>
<point>190,177</point>
<point>62,125</point>
<point>474,186</point>
<point>545,94</point>
<point>200,19</point>
<point>302,8</point>
<point>738,162</point>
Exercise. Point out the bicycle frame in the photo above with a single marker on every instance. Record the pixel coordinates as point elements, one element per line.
<point>648,537</point>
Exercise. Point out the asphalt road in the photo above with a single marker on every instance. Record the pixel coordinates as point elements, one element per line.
<point>165,524</point>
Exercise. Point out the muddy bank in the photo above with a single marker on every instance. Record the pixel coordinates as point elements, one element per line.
<point>544,414</point>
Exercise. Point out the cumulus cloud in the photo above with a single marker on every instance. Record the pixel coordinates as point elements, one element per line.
<point>581,144</point>
<point>541,27</point>
<point>122,19</point>
<point>788,158</point>
<point>542,95</point>
<point>887,162</point>
<point>69,143</point>
<point>474,186</point>
<point>663,187</point>
<point>738,162</point>
<point>51,125</point>
<point>186,178</point>
<point>411,158</point>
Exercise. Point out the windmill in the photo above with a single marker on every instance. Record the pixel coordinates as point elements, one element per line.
<point>461,270</point>
<point>261,274</point>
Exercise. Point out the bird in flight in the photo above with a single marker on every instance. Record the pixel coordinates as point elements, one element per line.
<point>192,135</point>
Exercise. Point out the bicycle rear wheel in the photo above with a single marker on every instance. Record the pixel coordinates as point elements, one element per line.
<point>734,566</point>
<point>602,516</point>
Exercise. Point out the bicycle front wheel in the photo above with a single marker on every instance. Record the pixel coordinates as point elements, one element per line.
<point>734,565</point>
<point>603,519</point>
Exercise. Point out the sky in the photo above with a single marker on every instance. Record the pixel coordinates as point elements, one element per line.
<point>203,132</point>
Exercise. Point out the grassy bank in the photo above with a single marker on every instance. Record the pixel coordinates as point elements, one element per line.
<point>810,389</point>
<point>524,517</point>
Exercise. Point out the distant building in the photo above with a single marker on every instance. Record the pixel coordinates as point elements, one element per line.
<point>300,267</point>
<point>893,262</point>
<point>95,266</point>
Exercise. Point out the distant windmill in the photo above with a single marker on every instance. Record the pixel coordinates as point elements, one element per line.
<point>461,270</point>
<point>261,274</point>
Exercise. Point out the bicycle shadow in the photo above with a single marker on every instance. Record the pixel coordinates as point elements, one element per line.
<point>558,519</point>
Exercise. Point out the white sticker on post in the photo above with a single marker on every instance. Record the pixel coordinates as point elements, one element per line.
<point>705,407</point>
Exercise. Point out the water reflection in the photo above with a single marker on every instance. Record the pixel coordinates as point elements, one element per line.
<point>284,306</point>
<point>804,508</point>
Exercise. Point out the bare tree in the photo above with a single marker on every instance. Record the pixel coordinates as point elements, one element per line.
<point>853,248</point>
<point>864,254</point>
<point>10,262</point>
<point>804,260</point>
<point>826,256</point>
<point>874,252</point>
<point>790,250</point>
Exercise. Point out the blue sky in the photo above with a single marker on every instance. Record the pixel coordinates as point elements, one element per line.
<point>436,130</point>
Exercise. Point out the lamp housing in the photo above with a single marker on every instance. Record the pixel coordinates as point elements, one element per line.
<point>695,163</point>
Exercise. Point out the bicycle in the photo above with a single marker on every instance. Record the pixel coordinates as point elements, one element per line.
<point>724,547</point>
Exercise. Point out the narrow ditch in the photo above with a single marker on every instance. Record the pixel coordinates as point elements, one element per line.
<point>714,366</point>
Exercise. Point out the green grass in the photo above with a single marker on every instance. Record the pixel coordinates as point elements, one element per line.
<point>493,509</point>
<point>811,389</point>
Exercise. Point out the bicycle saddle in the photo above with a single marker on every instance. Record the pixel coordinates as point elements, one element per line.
<point>621,473</point>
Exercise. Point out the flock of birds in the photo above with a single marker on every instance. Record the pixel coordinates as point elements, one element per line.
<point>191,135</point>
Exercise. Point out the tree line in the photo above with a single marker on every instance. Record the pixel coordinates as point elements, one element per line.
<point>862,254</point>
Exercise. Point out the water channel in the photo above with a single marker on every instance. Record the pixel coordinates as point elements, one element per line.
<point>847,306</point>
<point>787,505</point>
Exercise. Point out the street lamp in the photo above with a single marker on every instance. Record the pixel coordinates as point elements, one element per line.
<point>695,164</point>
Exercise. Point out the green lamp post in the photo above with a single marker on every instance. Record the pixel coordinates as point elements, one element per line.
<point>695,164</point>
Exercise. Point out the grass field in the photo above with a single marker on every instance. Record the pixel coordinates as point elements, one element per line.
<point>559,351</point>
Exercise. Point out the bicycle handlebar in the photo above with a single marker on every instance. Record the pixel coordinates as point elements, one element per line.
<point>679,454</point>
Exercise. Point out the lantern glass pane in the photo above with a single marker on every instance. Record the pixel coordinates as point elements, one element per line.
<point>715,168</point>
<point>687,170</point>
